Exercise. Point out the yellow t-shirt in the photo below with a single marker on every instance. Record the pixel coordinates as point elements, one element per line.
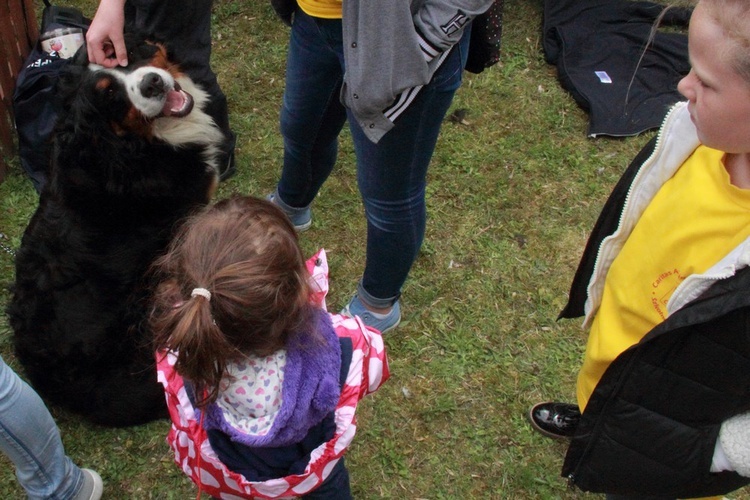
<point>695,219</point>
<point>324,9</point>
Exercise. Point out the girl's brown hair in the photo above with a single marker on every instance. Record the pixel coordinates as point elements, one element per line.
<point>245,252</point>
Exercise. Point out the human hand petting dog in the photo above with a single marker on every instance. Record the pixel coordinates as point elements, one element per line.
<point>104,40</point>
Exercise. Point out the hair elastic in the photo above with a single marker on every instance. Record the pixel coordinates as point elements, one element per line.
<point>202,292</point>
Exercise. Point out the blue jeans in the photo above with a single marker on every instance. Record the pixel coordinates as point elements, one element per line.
<point>31,440</point>
<point>391,174</point>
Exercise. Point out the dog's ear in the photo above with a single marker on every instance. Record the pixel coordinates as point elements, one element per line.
<point>81,57</point>
<point>70,74</point>
<point>141,47</point>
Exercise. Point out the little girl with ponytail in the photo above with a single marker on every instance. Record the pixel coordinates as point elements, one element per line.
<point>261,382</point>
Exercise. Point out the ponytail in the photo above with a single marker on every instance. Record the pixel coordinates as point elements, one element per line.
<point>188,329</point>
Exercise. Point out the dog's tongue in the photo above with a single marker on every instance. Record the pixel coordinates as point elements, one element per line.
<point>178,103</point>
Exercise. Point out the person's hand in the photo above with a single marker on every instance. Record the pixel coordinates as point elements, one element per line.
<point>104,40</point>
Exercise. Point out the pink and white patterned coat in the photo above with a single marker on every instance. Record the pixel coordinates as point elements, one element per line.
<point>194,455</point>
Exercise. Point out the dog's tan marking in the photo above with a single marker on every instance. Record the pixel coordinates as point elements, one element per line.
<point>134,122</point>
<point>103,84</point>
<point>160,60</point>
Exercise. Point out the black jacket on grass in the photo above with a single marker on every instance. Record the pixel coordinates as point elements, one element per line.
<point>652,422</point>
<point>608,60</point>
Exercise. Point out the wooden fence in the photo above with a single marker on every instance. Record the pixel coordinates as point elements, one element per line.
<point>18,34</point>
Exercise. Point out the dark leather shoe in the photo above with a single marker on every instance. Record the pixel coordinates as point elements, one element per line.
<point>555,420</point>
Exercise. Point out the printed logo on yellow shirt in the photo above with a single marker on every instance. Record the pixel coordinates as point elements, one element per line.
<point>662,289</point>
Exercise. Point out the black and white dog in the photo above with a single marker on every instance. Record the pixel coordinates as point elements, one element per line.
<point>133,154</point>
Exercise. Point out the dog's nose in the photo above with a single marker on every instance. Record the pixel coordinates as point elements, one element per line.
<point>152,85</point>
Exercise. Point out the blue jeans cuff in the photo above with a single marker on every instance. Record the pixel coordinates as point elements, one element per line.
<point>288,208</point>
<point>375,302</point>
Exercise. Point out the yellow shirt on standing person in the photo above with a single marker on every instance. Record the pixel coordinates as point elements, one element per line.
<point>324,9</point>
<point>689,225</point>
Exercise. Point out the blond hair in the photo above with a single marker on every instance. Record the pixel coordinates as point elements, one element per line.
<point>733,16</point>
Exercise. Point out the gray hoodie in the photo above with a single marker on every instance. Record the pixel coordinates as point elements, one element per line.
<point>392,48</point>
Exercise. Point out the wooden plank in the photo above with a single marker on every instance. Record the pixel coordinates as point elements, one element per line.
<point>7,70</point>
<point>32,30</point>
<point>14,33</point>
<point>6,49</point>
<point>18,34</point>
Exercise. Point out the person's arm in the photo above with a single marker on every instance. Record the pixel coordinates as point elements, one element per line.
<point>104,40</point>
<point>440,23</point>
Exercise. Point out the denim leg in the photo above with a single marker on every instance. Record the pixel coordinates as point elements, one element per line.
<point>311,114</point>
<point>392,179</point>
<point>335,487</point>
<point>30,439</point>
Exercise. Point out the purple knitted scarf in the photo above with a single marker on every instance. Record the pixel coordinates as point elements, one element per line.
<point>310,390</point>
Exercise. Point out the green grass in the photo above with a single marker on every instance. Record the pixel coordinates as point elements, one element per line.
<point>512,196</point>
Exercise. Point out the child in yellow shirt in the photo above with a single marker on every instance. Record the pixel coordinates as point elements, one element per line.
<point>664,285</point>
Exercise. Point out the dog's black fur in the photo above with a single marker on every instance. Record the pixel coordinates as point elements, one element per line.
<point>120,182</point>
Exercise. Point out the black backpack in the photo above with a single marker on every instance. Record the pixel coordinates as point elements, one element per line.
<point>484,45</point>
<point>35,106</point>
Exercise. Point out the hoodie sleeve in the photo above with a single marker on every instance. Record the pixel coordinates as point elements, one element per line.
<point>392,48</point>
<point>440,24</point>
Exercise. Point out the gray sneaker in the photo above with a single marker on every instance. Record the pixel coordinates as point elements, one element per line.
<point>381,322</point>
<point>92,487</point>
<point>300,217</point>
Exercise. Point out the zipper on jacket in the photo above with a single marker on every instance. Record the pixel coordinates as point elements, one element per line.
<point>628,196</point>
<point>700,282</point>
